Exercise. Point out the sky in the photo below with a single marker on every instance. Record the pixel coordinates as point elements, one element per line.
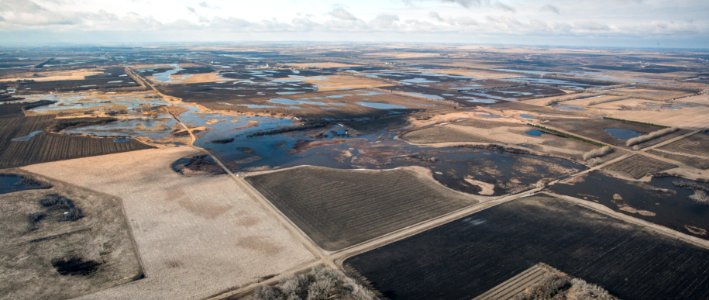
<point>595,23</point>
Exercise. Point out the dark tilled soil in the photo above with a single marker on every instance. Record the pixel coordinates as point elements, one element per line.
<point>47,146</point>
<point>340,208</point>
<point>467,257</point>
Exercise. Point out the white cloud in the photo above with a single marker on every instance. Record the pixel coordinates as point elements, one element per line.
<point>384,21</point>
<point>511,18</point>
<point>550,8</point>
<point>342,14</point>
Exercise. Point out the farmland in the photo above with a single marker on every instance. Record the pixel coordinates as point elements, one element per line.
<point>338,208</point>
<point>63,241</point>
<point>44,146</point>
<point>638,166</point>
<point>694,145</point>
<point>467,257</point>
<point>174,217</point>
<point>404,171</point>
<point>609,131</point>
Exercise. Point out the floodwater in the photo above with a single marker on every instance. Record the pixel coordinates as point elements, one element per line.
<point>286,101</point>
<point>478,100</point>
<point>142,115</point>
<point>246,143</point>
<point>15,182</point>
<point>27,137</point>
<point>422,95</point>
<point>559,83</point>
<point>64,102</point>
<point>622,133</point>
<point>372,144</point>
<point>534,132</point>
<point>153,128</point>
<point>664,200</point>
<point>167,75</point>
<point>379,105</point>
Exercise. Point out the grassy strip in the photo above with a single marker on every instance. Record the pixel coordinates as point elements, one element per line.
<point>650,136</point>
<point>634,122</point>
<point>598,152</point>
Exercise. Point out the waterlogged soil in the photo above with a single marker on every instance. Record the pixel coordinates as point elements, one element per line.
<point>15,182</point>
<point>467,257</point>
<point>372,144</point>
<point>664,200</point>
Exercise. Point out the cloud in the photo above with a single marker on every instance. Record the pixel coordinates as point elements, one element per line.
<point>384,21</point>
<point>29,13</point>
<point>464,3</point>
<point>199,18</point>
<point>550,8</point>
<point>434,15</point>
<point>342,14</point>
<point>504,7</point>
<point>479,3</point>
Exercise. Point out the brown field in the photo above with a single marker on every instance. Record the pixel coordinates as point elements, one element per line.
<point>197,236</point>
<point>651,94</point>
<point>594,100</point>
<point>639,166</point>
<point>546,101</point>
<point>626,104</point>
<point>341,208</point>
<point>684,117</point>
<point>698,99</point>
<point>476,129</point>
<point>54,75</point>
<point>343,82</point>
<point>192,78</point>
<point>404,55</point>
<point>595,128</point>
<point>693,161</point>
<point>696,144</point>
<point>38,236</point>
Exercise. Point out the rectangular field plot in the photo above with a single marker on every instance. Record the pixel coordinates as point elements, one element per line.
<point>467,257</point>
<point>638,166</point>
<point>340,208</point>
<point>609,131</point>
<point>696,145</point>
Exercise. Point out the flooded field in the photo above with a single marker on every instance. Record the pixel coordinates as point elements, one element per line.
<point>15,182</point>
<point>26,140</point>
<point>467,257</point>
<point>355,144</point>
<point>674,202</point>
